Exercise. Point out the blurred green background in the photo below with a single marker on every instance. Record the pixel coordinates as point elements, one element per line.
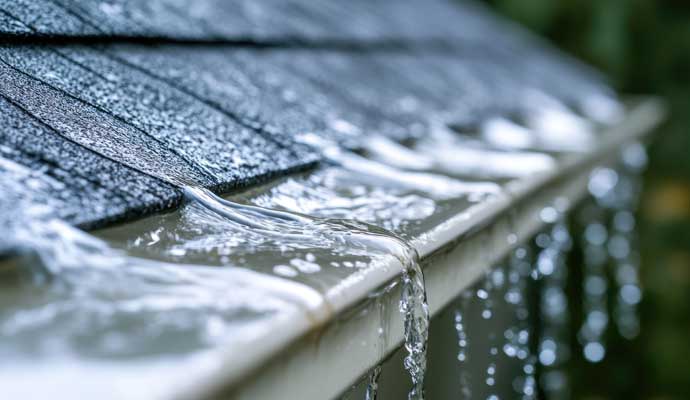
<point>643,46</point>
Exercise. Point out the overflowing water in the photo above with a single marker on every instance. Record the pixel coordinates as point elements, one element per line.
<point>317,212</point>
<point>609,238</point>
<point>221,273</point>
<point>101,306</point>
<point>66,252</point>
<point>339,236</point>
<point>493,282</point>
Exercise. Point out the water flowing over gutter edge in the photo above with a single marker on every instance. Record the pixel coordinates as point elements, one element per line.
<point>347,234</point>
<point>246,375</point>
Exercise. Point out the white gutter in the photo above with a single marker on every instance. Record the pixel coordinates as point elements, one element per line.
<point>322,352</point>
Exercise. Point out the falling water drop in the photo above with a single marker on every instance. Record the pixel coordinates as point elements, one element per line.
<point>553,351</point>
<point>373,385</point>
<point>610,239</point>
<point>626,258</point>
<point>463,344</point>
<point>516,344</point>
<point>492,282</point>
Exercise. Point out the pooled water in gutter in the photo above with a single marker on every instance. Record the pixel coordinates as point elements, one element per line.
<point>391,172</point>
<point>342,235</point>
<point>81,308</point>
<point>283,244</point>
<point>323,226</point>
<point>85,277</point>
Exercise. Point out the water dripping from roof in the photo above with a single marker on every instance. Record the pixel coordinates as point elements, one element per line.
<point>460,325</point>
<point>554,348</point>
<point>517,337</point>
<point>616,192</point>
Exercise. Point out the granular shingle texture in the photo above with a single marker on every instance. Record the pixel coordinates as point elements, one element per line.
<point>123,101</point>
<point>90,188</point>
<point>244,20</point>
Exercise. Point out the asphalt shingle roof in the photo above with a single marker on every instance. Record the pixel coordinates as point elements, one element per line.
<point>123,100</point>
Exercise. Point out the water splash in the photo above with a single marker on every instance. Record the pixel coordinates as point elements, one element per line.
<point>101,305</point>
<point>91,280</point>
<point>345,234</point>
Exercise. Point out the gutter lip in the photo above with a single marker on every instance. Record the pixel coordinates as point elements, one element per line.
<point>641,120</point>
<point>642,117</point>
<point>237,370</point>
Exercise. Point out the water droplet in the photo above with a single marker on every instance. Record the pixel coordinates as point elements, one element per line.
<point>594,352</point>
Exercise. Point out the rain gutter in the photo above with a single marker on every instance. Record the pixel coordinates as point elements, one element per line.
<point>323,351</point>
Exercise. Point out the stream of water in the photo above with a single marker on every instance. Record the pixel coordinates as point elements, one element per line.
<point>100,305</point>
<point>65,252</point>
<point>347,234</point>
<point>221,272</point>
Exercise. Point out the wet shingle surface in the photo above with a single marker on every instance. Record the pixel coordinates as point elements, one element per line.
<point>123,101</point>
<point>45,18</point>
<point>244,20</point>
<point>88,189</point>
<point>213,143</point>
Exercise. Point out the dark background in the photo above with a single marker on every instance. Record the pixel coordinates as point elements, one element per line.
<point>643,46</point>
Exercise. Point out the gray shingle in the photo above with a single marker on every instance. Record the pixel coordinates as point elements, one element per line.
<point>91,189</point>
<point>223,105</point>
<point>44,17</point>
<point>213,149</point>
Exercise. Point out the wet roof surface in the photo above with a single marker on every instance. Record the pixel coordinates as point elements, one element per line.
<point>243,20</point>
<point>124,101</point>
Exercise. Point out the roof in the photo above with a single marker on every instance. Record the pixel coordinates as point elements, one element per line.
<point>124,101</point>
